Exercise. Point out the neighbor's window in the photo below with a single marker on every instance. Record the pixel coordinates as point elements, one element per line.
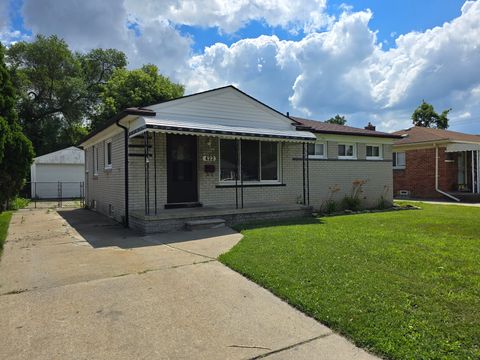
<point>399,160</point>
<point>347,151</point>
<point>316,151</point>
<point>108,154</point>
<point>257,160</point>
<point>374,152</point>
<point>95,160</point>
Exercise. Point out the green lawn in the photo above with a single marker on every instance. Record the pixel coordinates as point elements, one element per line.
<point>405,285</point>
<point>4,221</point>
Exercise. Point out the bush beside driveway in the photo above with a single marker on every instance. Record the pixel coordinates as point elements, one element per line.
<point>4,222</point>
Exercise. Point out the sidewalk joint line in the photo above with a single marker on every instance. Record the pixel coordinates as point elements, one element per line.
<point>261,356</point>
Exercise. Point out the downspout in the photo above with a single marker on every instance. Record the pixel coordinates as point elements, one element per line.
<point>436,178</point>
<point>125,132</point>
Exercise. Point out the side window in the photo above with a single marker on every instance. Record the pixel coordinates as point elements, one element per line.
<point>95,160</point>
<point>108,154</point>
<point>347,151</point>
<point>374,152</point>
<point>399,160</point>
<point>317,150</point>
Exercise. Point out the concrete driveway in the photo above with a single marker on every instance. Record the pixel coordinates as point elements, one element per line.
<point>75,285</point>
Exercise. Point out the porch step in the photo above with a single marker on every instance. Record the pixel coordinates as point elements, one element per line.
<point>183,205</point>
<point>204,224</point>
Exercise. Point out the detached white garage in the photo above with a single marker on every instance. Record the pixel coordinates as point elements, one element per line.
<point>60,173</point>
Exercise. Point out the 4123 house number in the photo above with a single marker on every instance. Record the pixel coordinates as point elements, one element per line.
<point>209,158</point>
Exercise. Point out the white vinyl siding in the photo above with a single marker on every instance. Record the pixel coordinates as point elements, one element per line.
<point>226,107</point>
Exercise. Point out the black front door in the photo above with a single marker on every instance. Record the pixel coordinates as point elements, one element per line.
<point>181,168</point>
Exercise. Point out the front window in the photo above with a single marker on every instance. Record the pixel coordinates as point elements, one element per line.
<point>346,151</point>
<point>228,159</point>
<point>269,157</point>
<point>316,151</point>
<point>250,160</point>
<point>374,152</point>
<point>257,160</point>
<point>399,160</point>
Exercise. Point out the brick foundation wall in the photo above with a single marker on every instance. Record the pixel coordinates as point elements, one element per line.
<point>418,177</point>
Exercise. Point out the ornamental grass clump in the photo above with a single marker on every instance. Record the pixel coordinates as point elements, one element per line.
<point>353,202</point>
<point>330,206</point>
<point>383,203</point>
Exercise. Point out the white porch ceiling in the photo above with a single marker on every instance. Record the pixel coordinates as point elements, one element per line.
<point>456,147</point>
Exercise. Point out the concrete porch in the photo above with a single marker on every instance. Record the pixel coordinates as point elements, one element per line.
<point>175,219</point>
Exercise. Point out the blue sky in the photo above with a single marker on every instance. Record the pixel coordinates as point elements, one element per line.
<point>390,19</point>
<point>401,17</point>
<point>369,60</point>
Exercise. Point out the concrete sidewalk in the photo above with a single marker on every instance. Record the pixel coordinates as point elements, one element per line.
<point>76,285</point>
<point>443,202</point>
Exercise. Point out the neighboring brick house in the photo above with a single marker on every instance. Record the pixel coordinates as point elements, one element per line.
<point>224,154</point>
<point>432,163</point>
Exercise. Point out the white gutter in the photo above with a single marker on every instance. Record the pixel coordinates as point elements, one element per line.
<point>436,178</point>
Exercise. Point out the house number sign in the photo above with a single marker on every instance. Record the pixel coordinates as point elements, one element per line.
<point>209,158</point>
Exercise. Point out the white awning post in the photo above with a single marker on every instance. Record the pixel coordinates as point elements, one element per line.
<point>437,189</point>
<point>473,173</point>
<point>478,172</point>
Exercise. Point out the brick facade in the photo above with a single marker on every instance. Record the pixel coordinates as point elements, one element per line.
<point>107,187</point>
<point>418,177</point>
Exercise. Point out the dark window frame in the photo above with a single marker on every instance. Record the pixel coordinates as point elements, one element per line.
<point>259,161</point>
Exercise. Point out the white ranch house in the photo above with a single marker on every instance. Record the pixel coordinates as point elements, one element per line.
<point>223,154</point>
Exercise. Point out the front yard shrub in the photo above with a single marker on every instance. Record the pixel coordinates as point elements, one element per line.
<point>353,202</point>
<point>329,206</point>
<point>383,203</point>
<point>4,222</point>
<point>18,203</point>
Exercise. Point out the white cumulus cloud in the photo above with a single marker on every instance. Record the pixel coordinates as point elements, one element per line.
<point>337,67</point>
<point>345,70</point>
<point>231,15</point>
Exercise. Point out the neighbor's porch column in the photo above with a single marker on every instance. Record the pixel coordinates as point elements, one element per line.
<point>478,172</point>
<point>473,171</point>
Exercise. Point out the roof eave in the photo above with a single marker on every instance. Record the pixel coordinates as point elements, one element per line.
<point>118,117</point>
<point>386,136</point>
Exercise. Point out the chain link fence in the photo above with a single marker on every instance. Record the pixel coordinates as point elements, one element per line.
<point>54,194</point>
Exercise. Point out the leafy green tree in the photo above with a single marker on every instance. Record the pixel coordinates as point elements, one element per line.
<point>16,152</point>
<point>337,119</point>
<point>58,89</point>
<point>135,88</point>
<point>426,116</point>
